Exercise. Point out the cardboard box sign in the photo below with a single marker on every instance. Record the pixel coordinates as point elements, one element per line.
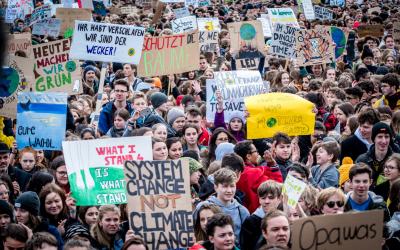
<point>375,30</point>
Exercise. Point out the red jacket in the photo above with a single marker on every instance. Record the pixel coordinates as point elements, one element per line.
<point>204,137</point>
<point>250,180</point>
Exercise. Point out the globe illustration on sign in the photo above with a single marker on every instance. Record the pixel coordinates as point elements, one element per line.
<point>247,32</point>
<point>9,81</point>
<point>339,37</point>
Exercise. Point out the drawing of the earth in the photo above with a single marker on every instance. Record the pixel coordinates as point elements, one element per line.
<point>9,81</point>
<point>247,32</point>
<point>339,38</point>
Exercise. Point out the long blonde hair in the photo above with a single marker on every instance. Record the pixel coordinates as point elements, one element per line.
<point>97,232</point>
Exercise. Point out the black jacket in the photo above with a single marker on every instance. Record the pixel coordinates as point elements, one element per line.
<point>250,232</point>
<point>19,176</point>
<point>352,147</point>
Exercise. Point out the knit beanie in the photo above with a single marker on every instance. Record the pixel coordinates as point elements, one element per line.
<point>366,52</point>
<point>303,72</point>
<point>193,164</point>
<point>29,201</point>
<point>379,128</point>
<point>89,68</point>
<point>236,114</point>
<point>5,208</point>
<point>344,170</point>
<point>76,229</point>
<point>157,99</point>
<point>174,114</point>
<point>223,149</point>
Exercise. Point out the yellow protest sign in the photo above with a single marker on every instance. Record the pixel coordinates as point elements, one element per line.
<point>279,112</point>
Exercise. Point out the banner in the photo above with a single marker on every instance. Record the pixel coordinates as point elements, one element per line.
<point>314,46</point>
<point>293,188</point>
<point>184,24</point>
<point>283,41</point>
<point>282,16</point>
<point>396,32</point>
<point>160,203</point>
<point>181,12</point>
<point>375,30</point>
<point>95,167</point>
<point>68,17</point>
<point>234,86</point>
<point>208,24</point>
<point>266,26</point>
<point>21,43</point>
<point>279,112</point>
<point>166,55</point>
<point>322,13</point>
<point>15,78</point>
<point>209,41</point>
<point>53,69</point>
<point>40,13</point>
<point>41,120</point>
<point>49,27</point>
<point>308,9</point>
<point>348,231</point>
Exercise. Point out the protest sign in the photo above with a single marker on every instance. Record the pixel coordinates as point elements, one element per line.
<point>293,188</point>
<point>375,9</point>
<point>166,55</point>
<point>247,39</point>
<point>314,46</point>
<point>99,8</point>
<point>107,42</point>
<point>396,32</point>
<point>40,13</point>
<point>68,17</point>
<point>16,77</point>
<point>208,24</point>
<point>184,24</point>
<point>323,13</point>
<point>308,9</point>
<point>283,41</point>
<point>375,30</point>
<point>160,203</point>
<point>41,120</point>
<point>279,112</point>
<point>203,3</point>
<point>209,41</point>
<point>128,9</point>
<point>86,4</point>
<point>95,167</point>
<point>11,15</point>
<point>234,86</point>
<point>53,69</point>
<point>339,3</point>
<point>340,37</point>
<point>282,16</point>
<point>18,9</point>
<point>348,231</point>
<point>194,3</point>
<point>247,63</point>
<point>181,12</point>
<point>20,42</point>
<point>49,27</point>
<point>266,26</point>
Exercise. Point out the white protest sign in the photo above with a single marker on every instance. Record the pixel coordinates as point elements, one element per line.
<point>308,9</point>
<point>208,24</point>
<point>11,15</point>
<point>266,26</point>
<point>283,41</point>
<point>184,24</point>
<point>181,12</point>
<point>323,13</point>
<point>87,4</point>
<point>41,13</point>
<point>234,86</point>
<point>293,188</point>
<point>67,3</point>
<point>209,41</point>
<point>49,27</point>
<point>194,3</point>
<point>283,16</point>
<point>107,42</point>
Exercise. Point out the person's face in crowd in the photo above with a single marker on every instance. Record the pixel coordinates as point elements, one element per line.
<point>298,176</point>
<point>191,135</point>
<point>223,238</point>
<point>110,223</point>
<point>136,247</point>
<point>53,204</point>
<point>339,114</point>
<point>306,83</point>
<point>366,130</point>
<point>293,214</point>
<point>13,244</point>
<point>195,120</point>
<point>391,171</point>
<point>382,142</point>
<point>88,136</point>
<point>277,232</point>
<point>5,220</point>
<point>318,134</point>
<point>323,157</point>
<point>352,99</point>
<point>46,246</point>
<point>317,70</point>
<point>283,151</point>
<point>302,17</point>
<point>389,43</point>
<point>62,175</point>
<point>334,205</point>
<point>209,74</point>
<point>331,75</point>
<point>90,76</point>
<point>128,71</point>
<point>368,60</point>
<point>350,23</point>
<point>119,122</point>
<point>145,24</point>
<point>175,151</point>
<point>4,192</point>
<point>253,155</point>
<point>203,64</point>
<point>91,216</point>
<point>204,216</point>
<point>371,44</point>
<point>285,79</point>
<point>194,178</point>
<point>360,184</point>
<point>139,104</point>
<point>121,93</point>
<point>330,98</point>
<point>388,90</point>
<point>22,215</point>
<point>347,187</point>
<point>148,133</point>
<point>236,124</point>
<point>191,75</point>
<point>179,123</point>
<point>160,151</point>
<point>75,114</point>
<point>163,107</point>
<point>269,202</point>
<point>221,137</point>
<point>224,67</point>
<point>160,133</point>
<point>4,162</point>
<point>225,191</point>
<point>389,62</point>
<point>377,54</point>
<point>27,161</point>
<point>39,155</point>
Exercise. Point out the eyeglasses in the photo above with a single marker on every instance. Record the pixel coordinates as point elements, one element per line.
<point>390,167</point>
<point>331,204</point>
<point>62,173</point>
<point>120,91</point>
<point>30,161</point>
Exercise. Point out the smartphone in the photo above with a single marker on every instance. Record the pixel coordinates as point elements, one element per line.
<point>145,112</point>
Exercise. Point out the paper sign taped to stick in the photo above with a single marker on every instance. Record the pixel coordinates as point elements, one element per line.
<point>40,13</point>
<point>308,9</point>
<point>181,12</point>
<point>293,188</point>
<point>266,26</point>
<point>49,27</point>
<point>348,231</point>
<point>283,41</point>
<point>159,203</point>
<point>107,42</point>
<point>21,43</point>
<point>166,55</point>
<point>184,24</point>
<point>209,41</point>
<point>323,13</point>
<point>68,17</point>
<point>283,16</point>
<point>279,112</point>
<point>208,24</point>
<point>375,30</point>
<point>339,3</point>
<point>95,167</point>
<point>234,86</point>
<point>41,120</point>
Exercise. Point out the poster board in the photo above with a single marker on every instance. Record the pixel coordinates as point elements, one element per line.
<point>208,24</point>
<point>348,231</point>
<point>338,3</point>
<point>323,13</point>
<point>247,39</point>
<point>293,188</point>
<point>283,41</point>
<point>20,42</point>
<point>375,30</point>
<point>40,13</point>
<point>53,69</point>
<point>95,167</point>
<point>170,203</point>
<point>266,26</point>
<point>184,24</point>
<point>48,27</point>
<point>169,55</point>
<point>126,10</point>
<point>181,12</point>
<point>308,9</point>
<point>41,120</point>
<point>68,17</point>
<point>279,112</point>
<point>208,41</point>
<point>282,16</point>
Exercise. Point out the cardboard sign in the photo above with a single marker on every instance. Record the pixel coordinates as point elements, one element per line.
<point>209,41</point>
<point>41,13</point>
<point>339,3</point>
<point>18,9</point>
<point>348,231</point>
<point>20,42</point>
<point>246,37</point>
<point>322,13</point>
<point>16,77</point>
<point>266,26</point>
<point>340,37</point>
<point>282,16</point>
<point>308,9</point>
<point>95,167</point>
<point>184,24</point>
<point>234,86</point>
<point>279,112</point>
<point>396,32</point>
<point>375,30</point>
<point>41,120</point>
<point>247,63</point>
<point>53,69</point>
<point>49,27</point>
<point>375,9</point>
<point>208,24</point>
<point>293,188</point>
<point>170,55</point>
<point>128,9</point>
<point>159,203</point>
<point>314,46</point>
<point>181,12</point>
<point>107,42</point>
<point>68,17</point>
<point>284,41</point>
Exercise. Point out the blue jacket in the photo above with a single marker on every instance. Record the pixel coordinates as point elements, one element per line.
<point>106,120</point>
<point>328,178</point>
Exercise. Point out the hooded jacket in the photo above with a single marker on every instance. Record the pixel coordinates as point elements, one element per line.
<point>376,202</point>
<point>251,230</point>
<point>106,120</point>
<point>325,179</point>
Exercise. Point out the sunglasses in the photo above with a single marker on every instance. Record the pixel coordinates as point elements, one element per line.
<point>331,204</point>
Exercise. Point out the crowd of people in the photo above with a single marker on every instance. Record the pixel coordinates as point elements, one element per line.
<point>350,163</point>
